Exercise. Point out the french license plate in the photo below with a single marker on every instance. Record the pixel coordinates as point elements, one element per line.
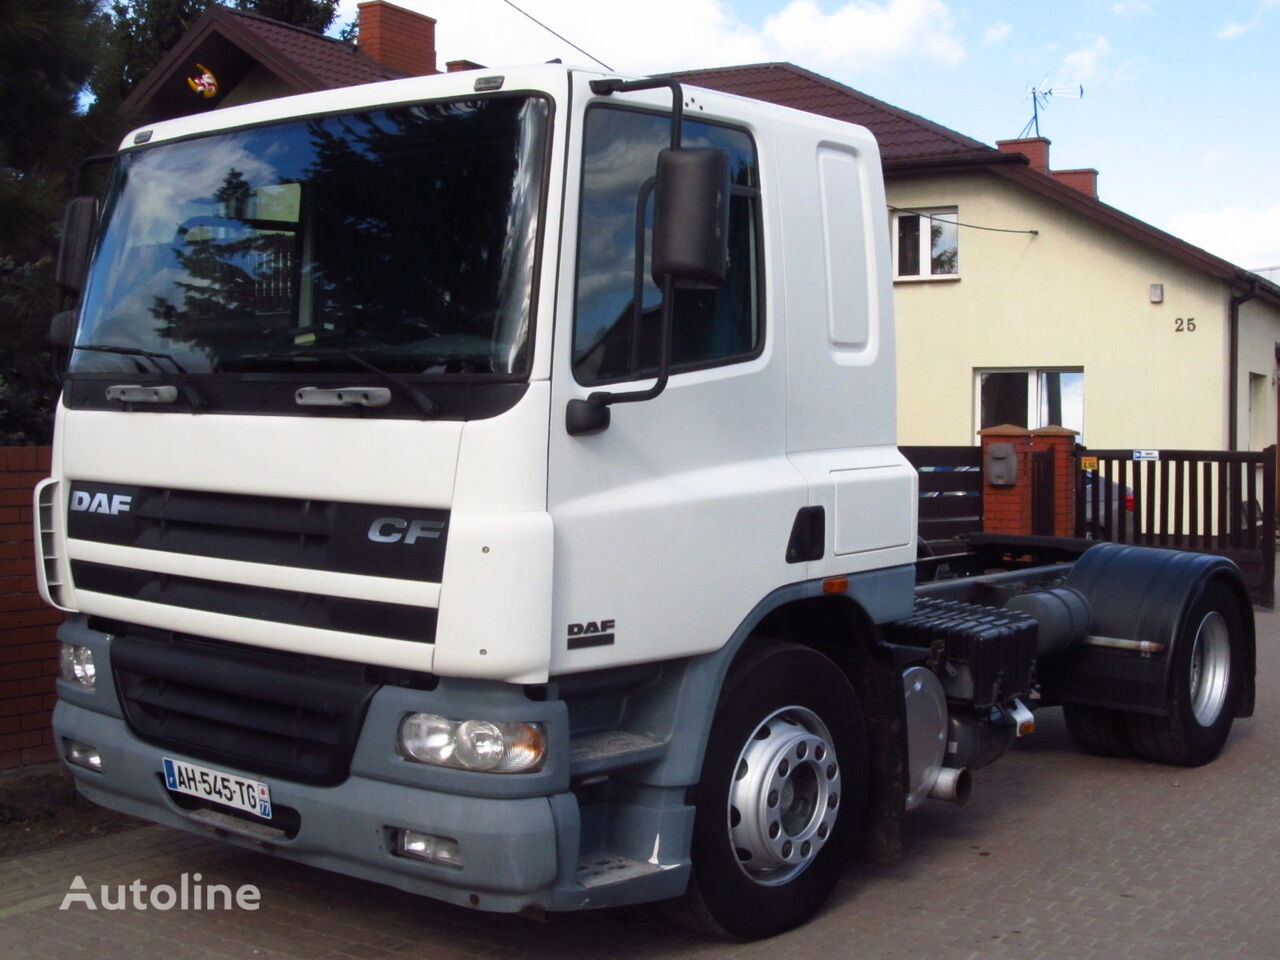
<point>252,796</point>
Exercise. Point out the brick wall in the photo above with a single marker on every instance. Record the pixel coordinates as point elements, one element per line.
<point>28,628</point>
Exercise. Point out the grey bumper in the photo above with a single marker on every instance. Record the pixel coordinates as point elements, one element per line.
<point>523,838</point>
<point>509,846</point>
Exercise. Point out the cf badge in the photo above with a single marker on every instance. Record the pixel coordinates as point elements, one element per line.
<point>395,530</point>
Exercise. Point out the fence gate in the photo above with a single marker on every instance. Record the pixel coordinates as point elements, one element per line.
<point>1209,501</point>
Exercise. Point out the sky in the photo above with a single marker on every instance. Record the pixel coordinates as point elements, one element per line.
<point>1179,114</point>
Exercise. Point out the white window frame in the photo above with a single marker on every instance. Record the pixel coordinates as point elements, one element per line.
<point>1033,394</point>
<point>926,215</point>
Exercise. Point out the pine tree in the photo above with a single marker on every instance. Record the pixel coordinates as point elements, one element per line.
<point>46,54</point>
<point>314,15</point>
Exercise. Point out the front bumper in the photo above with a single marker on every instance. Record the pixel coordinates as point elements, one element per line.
<point>526,840</point>
<point>510,846</point>
<point>519,843</point>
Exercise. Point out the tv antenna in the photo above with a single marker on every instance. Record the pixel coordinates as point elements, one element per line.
<point>1040,94</point>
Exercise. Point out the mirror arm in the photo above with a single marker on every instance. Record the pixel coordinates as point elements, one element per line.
<point>602,398</point>
<point>664,362</point>
<point>584,417</point>
<point>614,85</point>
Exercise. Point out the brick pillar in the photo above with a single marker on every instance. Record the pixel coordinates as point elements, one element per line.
<point>28,628</point>
<point>1061,442</point>
<point>1007,509</point>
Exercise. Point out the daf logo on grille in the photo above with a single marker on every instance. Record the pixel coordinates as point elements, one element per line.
<point>395,530</point>
<point>84,502</point>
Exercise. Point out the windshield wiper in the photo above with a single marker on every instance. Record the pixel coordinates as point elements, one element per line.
<point>178,375</point>
<point>424,403</point>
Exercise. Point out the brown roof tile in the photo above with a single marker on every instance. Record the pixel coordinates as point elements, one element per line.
<point>902,135</point>
<point>330,62</point>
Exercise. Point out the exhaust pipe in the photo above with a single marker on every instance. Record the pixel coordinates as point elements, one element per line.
<point>952,784</point>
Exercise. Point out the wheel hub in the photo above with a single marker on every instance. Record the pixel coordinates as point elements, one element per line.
<point>785,795</point>
<point>1210,668</point>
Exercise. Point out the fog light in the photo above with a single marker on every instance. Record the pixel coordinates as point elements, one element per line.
<point>424,846</point>
<point>83,755</point>
<point>482,745</point>
<point>77,665</point>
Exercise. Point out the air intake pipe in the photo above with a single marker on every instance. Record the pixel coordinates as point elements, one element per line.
<point>1061,612</point>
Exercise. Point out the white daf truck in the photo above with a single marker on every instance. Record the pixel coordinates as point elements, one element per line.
<point>486,484</point>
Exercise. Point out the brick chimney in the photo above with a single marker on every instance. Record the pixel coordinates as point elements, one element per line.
<point>455,66</point>
<point>1035,149</point>
<point>1086,180</point>
<point>397,38</point>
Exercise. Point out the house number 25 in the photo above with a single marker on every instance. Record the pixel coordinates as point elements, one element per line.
<point>1187,325</point>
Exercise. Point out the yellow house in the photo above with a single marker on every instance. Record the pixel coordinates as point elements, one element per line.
<point>1021,298</point>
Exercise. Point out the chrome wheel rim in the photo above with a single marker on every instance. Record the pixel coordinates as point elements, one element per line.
<point>785,796</point>
<point>1210,668</point>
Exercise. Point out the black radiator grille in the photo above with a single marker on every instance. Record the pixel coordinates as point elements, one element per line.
<point>275,714</point>
<point>407,542</point>
<point>372,618</point>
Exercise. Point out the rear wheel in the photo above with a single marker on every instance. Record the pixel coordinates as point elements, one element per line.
<point>781,795</point>
<point>1098,730</point>
<point>1205,687</point>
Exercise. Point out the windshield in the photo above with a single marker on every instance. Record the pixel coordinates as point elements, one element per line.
<point>404,237</point>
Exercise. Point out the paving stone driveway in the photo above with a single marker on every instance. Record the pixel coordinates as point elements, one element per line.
<point>1057,855</point>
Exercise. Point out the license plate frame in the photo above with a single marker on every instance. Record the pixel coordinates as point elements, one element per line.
<point>218,786</point>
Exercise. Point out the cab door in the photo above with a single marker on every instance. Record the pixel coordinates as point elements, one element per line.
<point>673,522</point>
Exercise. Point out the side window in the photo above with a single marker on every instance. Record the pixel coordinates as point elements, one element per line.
<point>612,341</point>
<point>926,243</point>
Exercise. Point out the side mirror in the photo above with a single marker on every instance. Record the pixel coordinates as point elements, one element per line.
<point>691,217</point>
<point>78,225</point>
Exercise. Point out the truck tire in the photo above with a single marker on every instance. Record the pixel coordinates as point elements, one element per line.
<point>781,795</point>
<point>1098,730</point>
<point>1205,685</point>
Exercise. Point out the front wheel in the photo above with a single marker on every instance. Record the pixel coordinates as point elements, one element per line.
<point>781,796</point>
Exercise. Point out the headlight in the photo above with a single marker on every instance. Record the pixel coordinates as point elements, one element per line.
<point>494,747</point>
<point>77,665</point>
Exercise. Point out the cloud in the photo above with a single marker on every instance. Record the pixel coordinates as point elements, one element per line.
<point>865,31</point>
<point>1249,237</point>
<point>1083,64</point>
<point>685,34</point>
<point>1128,7</point>
<point>1234,28</point>
<point>996,33</point>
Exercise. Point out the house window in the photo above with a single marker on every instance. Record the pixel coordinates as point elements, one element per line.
<point>926,243</point>
<point>1030,398</point>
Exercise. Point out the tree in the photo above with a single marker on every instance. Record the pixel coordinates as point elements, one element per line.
<point>46,54</point>
<point>314,15</point>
